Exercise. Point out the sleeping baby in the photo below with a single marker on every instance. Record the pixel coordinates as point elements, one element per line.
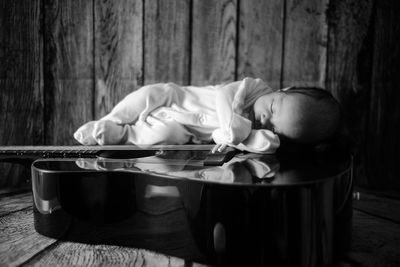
<point>247,115</point>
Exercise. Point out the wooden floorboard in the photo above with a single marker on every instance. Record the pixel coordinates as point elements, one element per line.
<point>15,203</point>
<point>376,239</point>
<point>9,191</point>
<point>18,239</point>
<point>78,254</point>
<point>383,207</point>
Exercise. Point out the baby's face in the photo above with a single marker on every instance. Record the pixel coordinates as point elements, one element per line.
<point>280,113</point>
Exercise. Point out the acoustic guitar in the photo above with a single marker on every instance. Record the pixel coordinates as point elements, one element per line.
<point>228,209</point>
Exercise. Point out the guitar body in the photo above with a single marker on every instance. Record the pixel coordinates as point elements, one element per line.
<point>253,210</point>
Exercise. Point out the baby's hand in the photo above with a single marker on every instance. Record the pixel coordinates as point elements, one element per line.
<point>84,134</point>
<point>100,132</point>
<point>219,148</point>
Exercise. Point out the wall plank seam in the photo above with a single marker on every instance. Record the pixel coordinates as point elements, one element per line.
<point>236,73</point>
<point>143,69</point>
<point>283,42</point>
<point>190,46</point>
<point>94,60</point>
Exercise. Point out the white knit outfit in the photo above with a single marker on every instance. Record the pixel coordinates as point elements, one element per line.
<point>166,113</point>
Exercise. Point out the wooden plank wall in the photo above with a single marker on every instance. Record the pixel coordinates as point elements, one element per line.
<point>73,60</point>
<point>261,23</point>
<point>305,43</point>
<point>118,50</point>
<point>383,125</point>
<point>21,81</point>
<point>214,41</point>
<point>167,41</point>
<point>68,67</point>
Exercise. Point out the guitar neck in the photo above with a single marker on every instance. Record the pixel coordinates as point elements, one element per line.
<point>34,152</point>
<point>198,153</point>
<point>47,151</point>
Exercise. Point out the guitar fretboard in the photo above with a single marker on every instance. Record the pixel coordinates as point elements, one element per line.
<point>200,152</point>
<point>48,151</point>
<point>86,151</point>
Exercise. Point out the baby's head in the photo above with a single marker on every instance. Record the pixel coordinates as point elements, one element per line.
<point>299,114</point>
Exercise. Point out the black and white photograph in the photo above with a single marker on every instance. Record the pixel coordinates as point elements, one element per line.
<point>200,133</point>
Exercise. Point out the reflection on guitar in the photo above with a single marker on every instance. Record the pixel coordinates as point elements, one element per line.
<point>241,168</point>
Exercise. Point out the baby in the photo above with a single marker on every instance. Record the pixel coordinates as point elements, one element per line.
<point>247,115</point>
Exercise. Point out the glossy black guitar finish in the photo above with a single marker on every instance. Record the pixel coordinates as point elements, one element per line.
<point>252,211</point>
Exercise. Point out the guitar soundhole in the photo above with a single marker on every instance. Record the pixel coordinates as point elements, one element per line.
<point>128,154</point>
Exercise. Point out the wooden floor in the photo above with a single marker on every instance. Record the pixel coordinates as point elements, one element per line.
<point>376,238</point>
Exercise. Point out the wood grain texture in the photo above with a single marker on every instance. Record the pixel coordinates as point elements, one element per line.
<point>349,21</point>
<point>383,130</point>
<point>214,38</point>
<point>78,254</point>
<point>167,40</point>
<point>21,81</point>
<point>18,239</point>
<point>305,42</point>
<point>382,207</point>
<point>9,191</point>
<point>349,69</point>
<point>375,242</point>
<point>260,40</point>
<point>63,63</point>
<point>68,68</point>
<point>15,203</point>
<point>118,51</point>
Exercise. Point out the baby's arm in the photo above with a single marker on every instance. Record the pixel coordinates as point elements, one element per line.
<point>231,101</point>
<point>260,141</point>
<point>233,127</point>
<point>236,130</point>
